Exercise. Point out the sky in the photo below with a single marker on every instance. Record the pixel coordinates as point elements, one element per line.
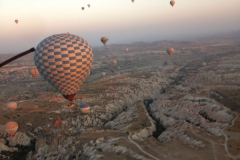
<point>120,20</point>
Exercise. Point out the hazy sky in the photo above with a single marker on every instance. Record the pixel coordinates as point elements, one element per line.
<point>120,20</point>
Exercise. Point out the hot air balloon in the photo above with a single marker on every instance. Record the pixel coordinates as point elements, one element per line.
<point>111,88</point>
<point>84,107</point>
<point>103,74</point>
<point>204,63</point>
<point>58,121</point>
<point>67,32</point>
<point>104,40</point>
<point>112,70</point>
<point>107,47</point>
<point>170,51</point>
<point>71,105</point>
<point>34,72</point>
<point>88,5</point>
<point>11,128</point>
<point>64,60</point>
<point>16,21</point>
<point>82,8</point>
<point>127,49</point>
<point>172,2</point>
<point>114,63</point>
<point>12,106</point>
<point>133,0</point>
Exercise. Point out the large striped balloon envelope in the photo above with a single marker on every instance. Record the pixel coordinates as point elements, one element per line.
<point>64,60</point>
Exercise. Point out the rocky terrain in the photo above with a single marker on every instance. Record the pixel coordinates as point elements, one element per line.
<point>142,111</point>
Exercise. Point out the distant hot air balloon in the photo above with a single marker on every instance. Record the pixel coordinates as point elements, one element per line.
<point>170,51</point>
<point>104,40</point>
<point>127,49</point>
<point>16,21</point>
<point>99,50</point>
<point>64,60</point>
<point>204,63</point>
<point>111,88</point>
<point>88,5</point>
<point>114,63</point>
<point>34,72</point>
<point>82,8</point>
<point>12,106</point>
<point>84,107</point>
<point>172,2</point>
<point>112,70</point>
<point>103,74</point>
<point>58,121</point>
<point>133,0</point>
<point>67,32</point>
<point>11,128</point>
<point>107,47</point>
<point>71,105</point>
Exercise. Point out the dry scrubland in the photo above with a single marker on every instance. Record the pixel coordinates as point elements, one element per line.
<point>178,109</point>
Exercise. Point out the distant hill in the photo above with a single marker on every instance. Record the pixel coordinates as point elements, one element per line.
<point>220,38</point>
<point>234,35</point>
<point>151,46</point>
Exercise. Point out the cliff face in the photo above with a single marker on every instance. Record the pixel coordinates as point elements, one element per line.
<point>175,115</point>
<point>69,148</point>
<point>119,106</point>
<point>191,101</point>
<point>117,112</point>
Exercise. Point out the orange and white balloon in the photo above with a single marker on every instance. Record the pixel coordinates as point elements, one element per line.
<point>12,106</point>
<point>103,74</point>
<point>11,128</point>
<point>34,72</point>
<point>114,63</point>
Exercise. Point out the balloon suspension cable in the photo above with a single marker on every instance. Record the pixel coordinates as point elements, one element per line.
<point>17,56</point>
